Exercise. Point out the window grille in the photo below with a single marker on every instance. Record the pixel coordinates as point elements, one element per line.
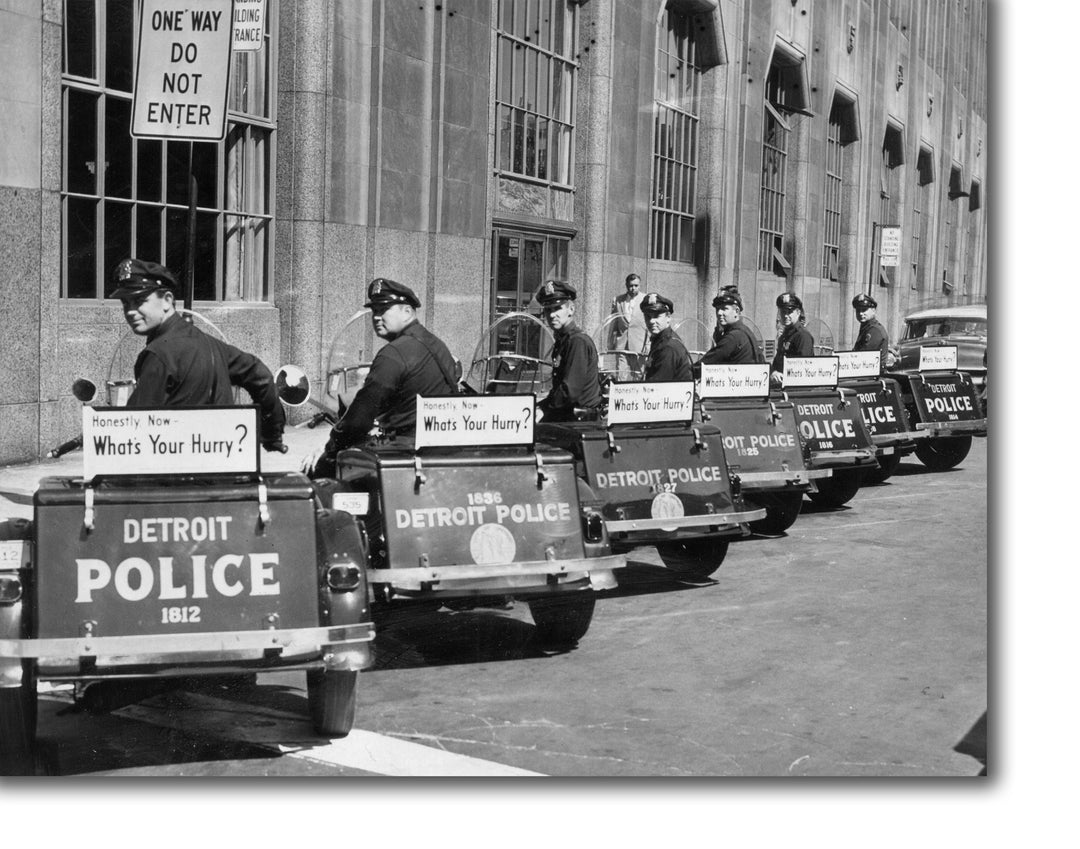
<point>535,89</point>
<point>675,139</point>
<point>125,197</point>
<point>834,184</point>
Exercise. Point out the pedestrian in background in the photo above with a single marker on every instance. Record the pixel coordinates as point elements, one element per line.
<point>668,358</point>
<point>627,332</point>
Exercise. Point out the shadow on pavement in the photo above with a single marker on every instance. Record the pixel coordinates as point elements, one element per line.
<point>974,742</point>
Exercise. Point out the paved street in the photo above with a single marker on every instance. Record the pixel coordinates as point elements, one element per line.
<point>856,645</point>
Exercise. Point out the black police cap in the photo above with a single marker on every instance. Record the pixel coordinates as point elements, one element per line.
<point>134,278</point>
<point>555,292</point>
<point>727,298</point>
<point>383,292</point>
<point>788,301</point>
<point>863,302</point>
<point>654,303</point>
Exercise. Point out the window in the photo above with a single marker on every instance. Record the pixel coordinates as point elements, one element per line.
<point>841,131</point>
<point>130,197</point>
<point>891,211</point>
<point>786,93</point>
<point>924,170</point>
<point>675,137</point>
<point>534,89</point>
<point>950,236</point>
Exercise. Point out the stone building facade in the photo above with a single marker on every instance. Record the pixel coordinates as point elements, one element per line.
<point>474,148</point>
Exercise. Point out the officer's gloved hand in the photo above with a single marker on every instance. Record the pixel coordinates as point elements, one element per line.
<point>275,445</point>
<point>322,465</point>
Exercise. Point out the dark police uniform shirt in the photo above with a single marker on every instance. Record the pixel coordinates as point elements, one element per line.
<point>575,381</point>
<point>183,367</point>
<point>795,341</point>
<point>872,337</point>
<point>417,362</point>
<point>734,345</point>
<point>668,358</point>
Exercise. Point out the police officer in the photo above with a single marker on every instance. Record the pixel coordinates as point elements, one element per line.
<point>872,334</point>
<point>734,343</point>
<point>668,358</point>
<point>794,340</point>
<point>575,381</point>
<point>181,366</point>
<point>414,361</point>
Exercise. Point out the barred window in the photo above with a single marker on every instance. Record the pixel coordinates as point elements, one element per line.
<point>534,89</point>
<point>834,182</point>
<point>892,157</point>
<point>123,196</point>
<point>842,131</point>
<point>924,170</point>
<point>675,138</point>
<point>786,93</point>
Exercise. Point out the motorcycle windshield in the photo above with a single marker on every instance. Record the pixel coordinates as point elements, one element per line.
<point>120,378</point>
<point>695,335</point>
<point>623,348</point>
<point>513,356</point>
<point>348,362</point>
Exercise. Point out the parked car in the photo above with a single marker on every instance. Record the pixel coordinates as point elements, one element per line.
<point>962,326</point>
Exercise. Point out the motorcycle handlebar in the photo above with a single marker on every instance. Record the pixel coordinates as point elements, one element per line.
<point>64,448</point>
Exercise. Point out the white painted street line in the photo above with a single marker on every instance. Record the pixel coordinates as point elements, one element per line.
<point>291,734</point>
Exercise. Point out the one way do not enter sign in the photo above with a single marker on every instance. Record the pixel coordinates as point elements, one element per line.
<point>182,77</point>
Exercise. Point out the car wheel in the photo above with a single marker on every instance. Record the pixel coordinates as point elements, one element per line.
<point>562,620</point>
<point>332,700</point>
<point>18,724</point>
<point>888,465</point>
<point>694,558</point>
<point>943,453</point>
<point>781,511</point>
<point>838,490</point>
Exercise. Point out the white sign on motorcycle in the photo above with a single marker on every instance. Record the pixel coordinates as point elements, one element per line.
<point>937,358</point>
<point>734,380</point>
<point>474,420</point>
<point>170,441</point>
<point>641,403</point>
<point>859,363</point>
<point>811,371</point>
<point>182,72</point>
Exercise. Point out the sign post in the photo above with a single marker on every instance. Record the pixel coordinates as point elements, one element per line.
<point>182,86</point>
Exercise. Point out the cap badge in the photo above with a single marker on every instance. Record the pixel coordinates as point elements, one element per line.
<point>376,287</point>
<point>549,288</point>
<point>652,299</point>
<point>124,271</point>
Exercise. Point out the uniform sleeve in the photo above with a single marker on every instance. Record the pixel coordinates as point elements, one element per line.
<point>575,375</point>
<point>151,379</point>
<point>803,345</point>
<point>251,374</point>
<point>662,364</point>
<point>387,371</point>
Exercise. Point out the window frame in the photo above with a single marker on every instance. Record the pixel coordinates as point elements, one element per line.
<point>214,210</point>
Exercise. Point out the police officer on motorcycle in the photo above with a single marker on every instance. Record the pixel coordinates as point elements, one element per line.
<point>575,379</point>
<point>734,343</point>
<point>181,366</point>
<point>668,357</point>
<point>413,362</point>
<point>794,340</point>
<point>872,334</point>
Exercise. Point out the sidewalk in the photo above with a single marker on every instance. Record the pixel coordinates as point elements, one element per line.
<point>18,482</point>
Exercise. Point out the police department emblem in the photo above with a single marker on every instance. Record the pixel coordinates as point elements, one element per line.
<point>123,271</point>
<point>667,505</point>
<point>491,543</point>
<point>652,299</point>
<point>549,288</point>
<point>376,287</point>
